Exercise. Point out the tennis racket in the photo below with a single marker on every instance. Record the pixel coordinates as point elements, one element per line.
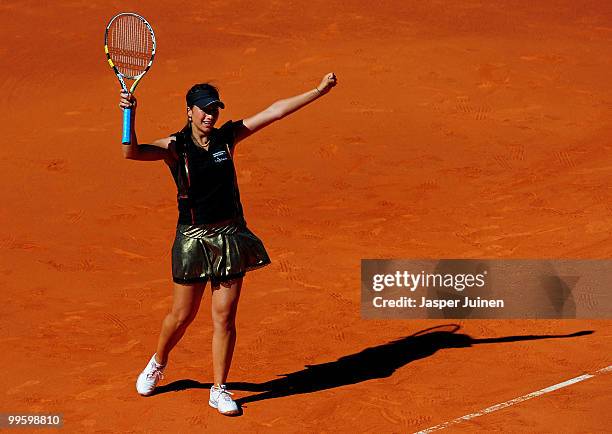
<point>129,43</point>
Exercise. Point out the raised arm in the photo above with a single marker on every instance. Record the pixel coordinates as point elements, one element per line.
<point>158,150</point>
<point>284,107</point>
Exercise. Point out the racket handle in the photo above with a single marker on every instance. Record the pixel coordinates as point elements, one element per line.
<point>127,126</point>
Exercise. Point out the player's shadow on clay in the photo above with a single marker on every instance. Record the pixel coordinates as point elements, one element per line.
<point>375,362</point>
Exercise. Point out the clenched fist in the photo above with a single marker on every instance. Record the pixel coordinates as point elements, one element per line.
<point>329,81</point>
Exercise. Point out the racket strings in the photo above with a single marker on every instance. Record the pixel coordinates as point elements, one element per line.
<point>130,45</point>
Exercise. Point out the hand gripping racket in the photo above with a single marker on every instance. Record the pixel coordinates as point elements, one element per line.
<point>129,43</point>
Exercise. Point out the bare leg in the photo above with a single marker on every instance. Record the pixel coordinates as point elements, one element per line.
<point>224,307</point>
<point>185,305</point>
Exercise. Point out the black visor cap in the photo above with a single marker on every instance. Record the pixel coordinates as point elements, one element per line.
<point>204,97</point>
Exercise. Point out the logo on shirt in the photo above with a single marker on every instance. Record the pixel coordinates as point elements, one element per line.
<point>220,156</point>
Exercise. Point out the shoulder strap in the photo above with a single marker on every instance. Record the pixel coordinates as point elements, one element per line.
<point>181,139</point>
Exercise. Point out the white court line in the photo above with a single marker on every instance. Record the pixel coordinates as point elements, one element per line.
<point>516,400</point>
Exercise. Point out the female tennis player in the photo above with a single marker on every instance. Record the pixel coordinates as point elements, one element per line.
<point>212,240</point>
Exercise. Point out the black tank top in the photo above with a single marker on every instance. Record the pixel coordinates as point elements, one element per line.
<point>206,179</point>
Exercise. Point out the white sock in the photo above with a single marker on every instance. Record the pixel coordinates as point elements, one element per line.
<point>155,361</point>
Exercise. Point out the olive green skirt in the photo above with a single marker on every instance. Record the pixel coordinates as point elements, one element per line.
<point>215,252</point>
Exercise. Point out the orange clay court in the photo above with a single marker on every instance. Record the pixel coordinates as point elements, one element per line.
<point>459,129</point>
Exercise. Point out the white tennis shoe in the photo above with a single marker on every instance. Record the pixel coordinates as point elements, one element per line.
<point>149,377</point>
<point>221,400</point>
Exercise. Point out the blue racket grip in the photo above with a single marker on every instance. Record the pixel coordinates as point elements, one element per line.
<point>127,126</point>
